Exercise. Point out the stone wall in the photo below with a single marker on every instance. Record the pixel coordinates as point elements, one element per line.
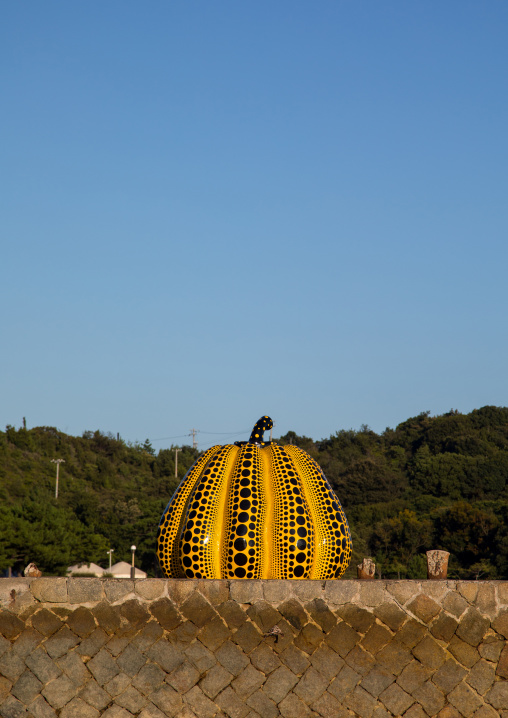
<point>81,648</point>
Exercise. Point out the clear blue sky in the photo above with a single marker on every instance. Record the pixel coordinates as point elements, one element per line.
<point>211,211</point>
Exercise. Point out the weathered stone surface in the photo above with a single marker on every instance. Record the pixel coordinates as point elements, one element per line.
<point>326,662</point>
<point>361,702</point>
<point>411,633</point>
<point>85,590</point>
<point>276,592</point>
<point>430,653</point>
<point>294,612</point>
<point>60,642</point>
<point>232,658</point>
<point>482,676</point>
<point>279,683</point>
<point>93,644</point>
<point>464,700</point>
<point>376,681</point>
<point>77,708</point>
<point>413,676</point>
<point>264,659</point>
<point>249,680</point>
<point>73,667</point>
<point>167,700</point>
<point>429,697</point>
<point>132,700</point>
<point>449,675</point>
<point>342,639</point>
<point>468,589</point>
<point>147,636</point>
<point>247,637</point>
<point>491,647</point>
<point>311,686</point>
<point>231,704</point>
<point>232,614</point>
<point>40,708</point>
<point>293,707</point>
<point>376,638</point>
<point>444,627</point>
<point>149,588</point>
<point>502,666</point>
<point>463,652</point>
<point>498,695</point>
<point>472,627</point>
<point>197,609</point>
<point>131,660</point>
<point>329,707</point>
<point>108,617</point>
<point>215,680</point>
<point>148,679</point>
<point>12,708</point>
<point>262,705</point>
<point>486,599</point>
<point>11,666</point>
<point>393,657</point>
<point>81,622</point>
<point>166,655</point>
<point>117,589</point>
<point>372,593</point>
<point>27,687</point>
<point>294,659</point>
<point>309,638</point>
<point>337,593</point>
<point>10,625</point>
<point>344,683</point>
<point>358,618</point>
<point>49,590</point>
<point>396,699</point>
<point>246,591</point>
<point>46,622</point>
<point>390,614</point>
<point>486,712</point>
<point>214,634</point>
<point>59,692</point>
<point>321,614</point>
<point>103,667</point>
<point>403,591</point>
<point>201,657</point>
<point>42,666</point>
<point>117,685</point>
<point>183,677</point>
<point>360,661</point>
<point>500,623</point>
<point>94,695</point>
<point>455,604</point>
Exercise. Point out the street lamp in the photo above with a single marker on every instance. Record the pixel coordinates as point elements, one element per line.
<point>133,570</point>
<point>57,462</point>
<point>111,551</point>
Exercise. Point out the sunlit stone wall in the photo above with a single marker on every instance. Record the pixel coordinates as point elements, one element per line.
<point>83,648</point>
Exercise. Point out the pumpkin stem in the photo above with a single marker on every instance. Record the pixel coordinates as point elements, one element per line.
<point>260,427</point>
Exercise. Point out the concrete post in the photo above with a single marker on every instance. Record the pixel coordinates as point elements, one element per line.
<point>366,569</point>
<point>437,564</point>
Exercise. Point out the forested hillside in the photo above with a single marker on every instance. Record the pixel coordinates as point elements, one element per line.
<point>432,482</point>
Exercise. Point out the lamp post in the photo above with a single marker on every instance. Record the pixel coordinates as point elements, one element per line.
<point>133,570</point>
<point>110,552</point>
<point>57,462</point>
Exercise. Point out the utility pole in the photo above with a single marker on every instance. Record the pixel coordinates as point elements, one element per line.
<point>176,462</point>
<point>57,462</point>
<point>110,552</point>
<point>193,432</point>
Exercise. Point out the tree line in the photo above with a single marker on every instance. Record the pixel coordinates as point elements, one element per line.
<point>432,482</point>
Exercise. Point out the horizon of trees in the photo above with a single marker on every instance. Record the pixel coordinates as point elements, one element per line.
<point>431,483</point>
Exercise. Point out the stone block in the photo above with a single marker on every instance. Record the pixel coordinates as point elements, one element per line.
<point>279,683</point>
<point>11,666</point>
<point>430,653</point>
<point>429,697</point>
<point>166,655</point>
<point>358,618</point>
<point>216,679</point>
<point>393,657</point>
<point>464,700</point>
<point>149,588</point>
<point>5,688</point>
<point>116,711</point>
<point>449,675</point>
<point>185,633</point>
<point>337,593</point>
<point>329,707</point>
<point>413,676</point>
<point>294,659</point>
<point>502,592</point>
<point>49,590</point>
<point>311,686</point>
<point>463,652</point>
<point>247,637</point>
<point>81,621</point>
<point>486,712</point>
<point>77,708</point>
<point>59,692</point>
<point>132,700</point>
<point>376,681</point>
<point>102,667</point>
<point>306,590</point>
<point>468,589</point>
<point>214,634</point>
<point>249,680</point>
<point>10,625</point>
<point>164,611</point>
<point>149,679</point>
<point>372,593</point>
<point>263,615</point>
<point>500,623</point>
<point>390,614</point>
<point>361,702</point>
<point>444,627</point>
<point>42,666</point>
<point>277,591</point>
<point>12,708</point>
<point>130,661</point>
<point>424,608</point>
<point>246,591</point>
<point>321,614</point>
<point>376,638</point>
<point>449,712</point>
<point>403,591</point>
<point>74,668</point>
<point>84,590</point>
<point>472,627</point>
<point>264,659</point>
<point>108,617</point>
<point>232,658</point>
<point>117,589</point>
<point>150,633</point>
<point>93,644</point>
<point>293,707</point>
<point>183,678</point>
<point>117,685</point>
<point>15,591</point>
<point>60,642</point>
<point>396,700</point>
<point>27,687</point>
<point>262,705</point>
<point>167,700</point>
<point>498,695</point>
<point>491,648</point>
<point>151,711</point>
<point>215,590</point>
<point>46,622</point>
<point>455,604</point>
<point>326,662</point>
<point>134,612</point>
<point>4,645</point>
<point>415,711</point>
<point>435,589</point>
<point>94,695</point>
<point>293,611</point>
<point>360,661</point>
<point>231,704</point>
<point>201,657</point>
<point>40,708</point>
<point>344,683</point>
<point>411,633</point>
<point>309,638</point>
<point>482,676</point>
<point>26,643</point>
<point>197,609</point>
<point>232,614</point>
<point>342,639</point>
<point>486,599</point>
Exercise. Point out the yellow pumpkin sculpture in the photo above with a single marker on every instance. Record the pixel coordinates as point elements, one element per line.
<point>254,509</point>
